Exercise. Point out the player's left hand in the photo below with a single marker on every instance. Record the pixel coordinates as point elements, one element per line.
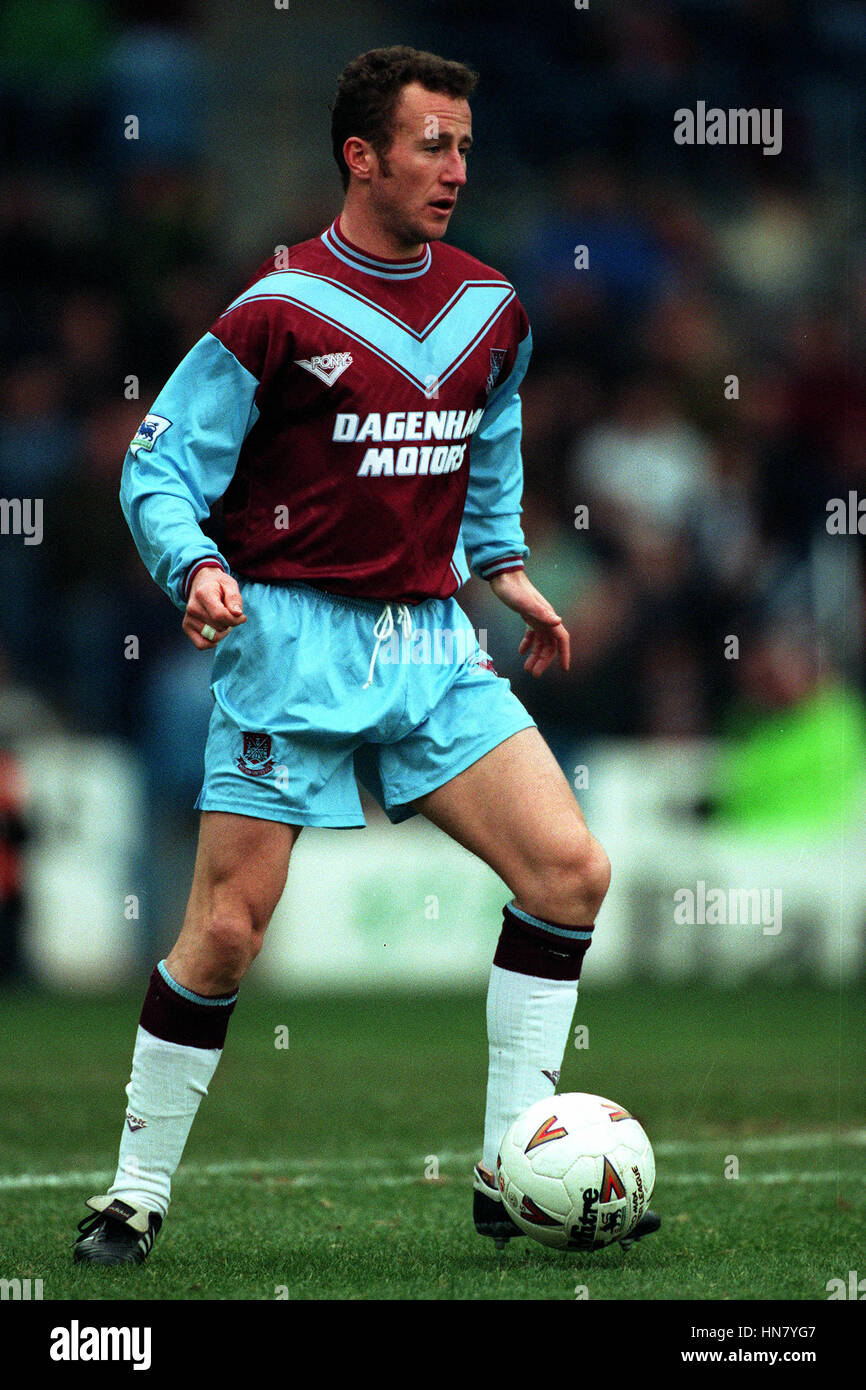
<point>546,636</point>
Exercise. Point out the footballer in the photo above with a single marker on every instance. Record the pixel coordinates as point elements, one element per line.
<point>356,409</point>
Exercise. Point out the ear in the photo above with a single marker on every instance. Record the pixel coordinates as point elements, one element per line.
<point>360,158</point>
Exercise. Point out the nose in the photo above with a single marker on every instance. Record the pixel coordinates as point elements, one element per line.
<point>455,170</point>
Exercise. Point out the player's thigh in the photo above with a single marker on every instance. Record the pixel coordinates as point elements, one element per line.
<point>515,809</point>
<point>241,867</point>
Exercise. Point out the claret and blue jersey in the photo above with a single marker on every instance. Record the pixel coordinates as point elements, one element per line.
<point>360,419</point>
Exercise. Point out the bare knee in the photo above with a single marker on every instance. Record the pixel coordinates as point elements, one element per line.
<point>230,943</point>
<point>240,874</point>
<point>221,938</point>
<point>569,881</point>
<point>596,871</point>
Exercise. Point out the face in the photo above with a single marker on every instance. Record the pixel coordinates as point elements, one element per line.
<point>413,191</point>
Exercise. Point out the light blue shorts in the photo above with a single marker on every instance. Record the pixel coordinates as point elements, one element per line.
<point>295,721</point>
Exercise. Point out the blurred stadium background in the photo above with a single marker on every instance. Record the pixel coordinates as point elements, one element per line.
<point>707,504</point>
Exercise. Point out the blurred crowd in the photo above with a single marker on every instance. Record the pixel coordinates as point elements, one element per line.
<point>696,393</point>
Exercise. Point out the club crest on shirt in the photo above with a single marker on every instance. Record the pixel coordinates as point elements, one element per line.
<point>256,760</point>
<point>328,367</point>
<point>148,432</point>
<point>497,357</point>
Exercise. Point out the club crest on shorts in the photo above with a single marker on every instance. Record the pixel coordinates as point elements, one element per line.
<point>256,760</point>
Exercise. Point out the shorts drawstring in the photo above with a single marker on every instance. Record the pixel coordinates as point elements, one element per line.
<point>383,628</point>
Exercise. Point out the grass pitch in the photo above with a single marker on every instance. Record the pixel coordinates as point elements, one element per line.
<point>339,1166</point>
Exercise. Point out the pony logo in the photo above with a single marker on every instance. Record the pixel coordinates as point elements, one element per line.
<point>328,367</point>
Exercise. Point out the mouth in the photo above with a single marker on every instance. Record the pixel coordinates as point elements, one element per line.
<point>443,205</point>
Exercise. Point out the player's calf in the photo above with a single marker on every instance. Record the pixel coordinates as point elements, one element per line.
<point>531,999</point>
<point>240,873</point>
<point>177,1049</point>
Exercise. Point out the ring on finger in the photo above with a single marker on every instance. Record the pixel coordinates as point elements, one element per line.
<point>208,633</point>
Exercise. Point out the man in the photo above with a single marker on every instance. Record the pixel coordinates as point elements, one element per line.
<point>356,408</point>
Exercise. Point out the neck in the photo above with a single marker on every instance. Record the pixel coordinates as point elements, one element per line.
<point>360,227</point>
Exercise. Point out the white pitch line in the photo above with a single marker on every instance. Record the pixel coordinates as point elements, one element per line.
<point>345,1168</point>
<point>239,1172</point>
<point>761,1143</point>
<point>368,1172</point>
<point>418,1180</point>
<point>690,1179</point>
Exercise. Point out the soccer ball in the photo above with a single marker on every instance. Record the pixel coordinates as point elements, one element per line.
<point>576,1171</point>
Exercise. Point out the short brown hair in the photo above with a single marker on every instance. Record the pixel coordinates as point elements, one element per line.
<point>368,90</point>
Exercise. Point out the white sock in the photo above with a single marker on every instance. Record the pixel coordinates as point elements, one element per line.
<point>528,1024</point>
<point>165,1090</point>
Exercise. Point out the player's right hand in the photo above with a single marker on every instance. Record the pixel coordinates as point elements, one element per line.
<point>214,601</point>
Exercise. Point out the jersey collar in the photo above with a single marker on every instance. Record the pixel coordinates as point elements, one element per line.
<point>382,269</point>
